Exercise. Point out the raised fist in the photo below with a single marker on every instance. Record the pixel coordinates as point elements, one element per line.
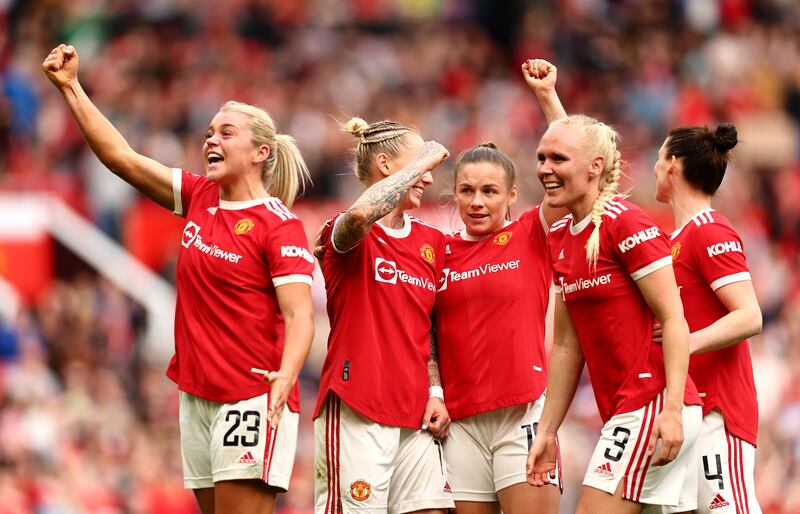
<point>61,66</point>
<point>539,74</point>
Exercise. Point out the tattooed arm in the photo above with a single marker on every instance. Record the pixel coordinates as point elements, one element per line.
<point>433,362</point>
<point>436,418</point>
<point>382,197</point>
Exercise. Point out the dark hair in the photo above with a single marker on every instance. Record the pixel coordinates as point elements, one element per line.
<point>488,152</point>
<point>704,153</point>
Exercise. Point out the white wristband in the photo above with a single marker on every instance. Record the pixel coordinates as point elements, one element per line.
<point>436,392</point>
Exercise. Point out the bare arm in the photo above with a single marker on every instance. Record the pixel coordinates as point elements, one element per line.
<point>742,321</point>
<point>661,294</point>
<point>382,197</point>
<point>436,419</point>
<point>564,370</point>
<point>541,77</point>
<point>294,301</point>
<point>148,176</point>
<point>433,361</point>
<point>566,363</point>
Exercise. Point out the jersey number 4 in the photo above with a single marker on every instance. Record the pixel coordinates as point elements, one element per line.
<point>251,420</point>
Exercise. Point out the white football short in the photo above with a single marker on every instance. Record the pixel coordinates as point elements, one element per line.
<point>621,455</point>
<point>365,467</point>
<point>488,452</point>
<point>725,471</point>
<point>233,441</point>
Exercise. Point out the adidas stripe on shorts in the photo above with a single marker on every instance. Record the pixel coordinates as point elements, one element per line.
<point>367,467</point>
<point>621,456</point>
<point>488,452</point>
<point>725,470</point>
<point>233,441</point>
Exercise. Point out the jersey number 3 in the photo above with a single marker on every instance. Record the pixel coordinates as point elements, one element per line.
<point>621,436</point>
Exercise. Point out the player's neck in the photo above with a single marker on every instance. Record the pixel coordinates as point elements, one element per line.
<point>393,220</point>
<point>242,190</point>
<point>686,205</point>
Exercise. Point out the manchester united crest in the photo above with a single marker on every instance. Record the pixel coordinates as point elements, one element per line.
<point>427,253</point>
<point>360,490</point>
<point>243,226</point>
<point>502,238</point>
<point>676,249</point>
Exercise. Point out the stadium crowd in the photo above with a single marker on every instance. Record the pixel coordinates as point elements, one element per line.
<point>88,422</point>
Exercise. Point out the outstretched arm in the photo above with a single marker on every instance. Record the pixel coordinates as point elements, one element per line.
<point>541,77</point>
<point>148,176</point>
<point>382,197</point>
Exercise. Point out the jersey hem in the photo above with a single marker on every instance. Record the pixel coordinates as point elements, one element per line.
<point>457,414</point>
<point>367,413</point>
<point>236,396</point>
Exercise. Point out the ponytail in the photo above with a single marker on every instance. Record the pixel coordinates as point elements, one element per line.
<point>290,173</point>
<point>284,172</point>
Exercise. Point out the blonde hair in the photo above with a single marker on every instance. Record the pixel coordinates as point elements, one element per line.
<point>284,173</point>
<point>385,136</point>
<point>599,139</point>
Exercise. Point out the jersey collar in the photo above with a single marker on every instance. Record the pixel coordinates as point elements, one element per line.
<point>398,233</point>
<point>577,228</point>
<point>678,230</point>
<point>241,204</point>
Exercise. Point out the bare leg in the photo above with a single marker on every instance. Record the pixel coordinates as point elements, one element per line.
<point>518,499</point>
<point>205,499</point>
<point>243,497</point>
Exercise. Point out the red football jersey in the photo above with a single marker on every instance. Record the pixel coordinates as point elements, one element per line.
<point>227,320</point>
<point>707,254</point>
<point>613,321</point>
<point>380,297</point>
<point>490,314</point>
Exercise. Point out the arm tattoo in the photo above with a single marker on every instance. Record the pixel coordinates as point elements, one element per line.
<point>377,201</point>
<point>433,362</point>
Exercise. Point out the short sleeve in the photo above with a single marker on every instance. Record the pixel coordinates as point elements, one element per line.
<point>719,255</point>
<point>288,255</point>
<point>534,222</point>
<point>638,242</point>
<point>183,186</point>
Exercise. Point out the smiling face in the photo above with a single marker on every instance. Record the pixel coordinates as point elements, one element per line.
<point>566,171</point>
<point>483,196</point>
<point>228,151</point>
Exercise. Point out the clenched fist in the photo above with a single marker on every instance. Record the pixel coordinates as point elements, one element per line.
<point>61,66</point>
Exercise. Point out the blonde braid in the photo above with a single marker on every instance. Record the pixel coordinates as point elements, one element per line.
<point>609,181</point>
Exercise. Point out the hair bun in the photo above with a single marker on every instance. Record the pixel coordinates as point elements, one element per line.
<point>356,126</point>
<point>488,144</point>
<point>725,137</point>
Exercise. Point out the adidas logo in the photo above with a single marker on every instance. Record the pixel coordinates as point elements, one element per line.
<point>212,210</point>
<point>718,502</point>
<point>247,458</point>
<point>446,488</point>
<point>605,470</point>
<point>561,255</point>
